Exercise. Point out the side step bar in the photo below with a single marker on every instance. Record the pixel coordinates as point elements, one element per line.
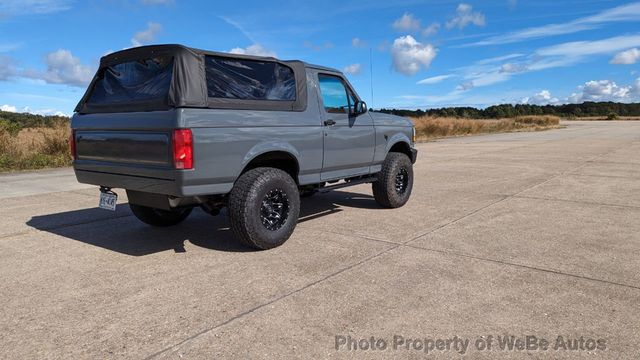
<point>365,180</point>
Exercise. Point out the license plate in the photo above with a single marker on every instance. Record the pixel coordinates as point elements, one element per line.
<point>108,201</point>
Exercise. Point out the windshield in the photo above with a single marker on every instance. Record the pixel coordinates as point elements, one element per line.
<point>133,81</point>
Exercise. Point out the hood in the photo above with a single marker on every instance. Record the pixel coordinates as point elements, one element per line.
<point>382,119</point>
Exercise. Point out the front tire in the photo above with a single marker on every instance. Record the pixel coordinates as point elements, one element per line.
<point>264,205</point>
<point>395,181</point>
<point>158,217</point>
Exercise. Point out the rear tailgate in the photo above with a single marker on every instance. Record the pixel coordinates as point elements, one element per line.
<point>126,150</point>
<point>125,147</point>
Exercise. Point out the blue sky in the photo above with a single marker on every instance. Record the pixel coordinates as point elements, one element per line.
<point>424,53</point>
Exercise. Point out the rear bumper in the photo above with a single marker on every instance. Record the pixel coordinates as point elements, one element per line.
<point>179,187</point>
<point>414,155</point>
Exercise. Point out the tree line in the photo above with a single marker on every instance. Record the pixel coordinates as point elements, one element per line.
<point>609,109</point>
<point>27,120</point>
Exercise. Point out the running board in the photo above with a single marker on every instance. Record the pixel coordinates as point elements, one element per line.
<point>366,180</point>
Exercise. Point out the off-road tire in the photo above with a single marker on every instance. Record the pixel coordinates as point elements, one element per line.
<point>158,217</point>
<point>384,190</point>
<point>246,206</point>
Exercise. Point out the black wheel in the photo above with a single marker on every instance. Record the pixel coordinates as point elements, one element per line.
<point>395,181</point>
<point>158,217</point>
<point>263,207</point>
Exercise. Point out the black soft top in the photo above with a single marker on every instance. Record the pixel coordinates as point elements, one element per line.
<point>188,86</point>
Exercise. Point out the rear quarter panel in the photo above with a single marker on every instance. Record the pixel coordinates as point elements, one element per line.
<point>225,141</point>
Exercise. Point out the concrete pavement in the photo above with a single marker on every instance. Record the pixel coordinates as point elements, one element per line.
<point>509,234</point>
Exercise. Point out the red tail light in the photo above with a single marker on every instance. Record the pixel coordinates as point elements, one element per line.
<point>72,145</point>
<point>182,149</point>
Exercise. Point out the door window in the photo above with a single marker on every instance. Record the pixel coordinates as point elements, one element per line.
<point>334,94</point>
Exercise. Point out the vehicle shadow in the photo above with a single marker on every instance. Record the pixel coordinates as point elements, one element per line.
<point>123,233</point>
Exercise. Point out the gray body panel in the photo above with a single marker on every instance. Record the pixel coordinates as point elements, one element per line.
<point>132,150</point>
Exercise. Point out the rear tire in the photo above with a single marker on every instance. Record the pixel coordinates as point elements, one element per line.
<point>264,205</point>
<point>395,181</point>
<point>158,217</point>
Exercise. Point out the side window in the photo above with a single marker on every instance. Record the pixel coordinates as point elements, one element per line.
<point>334,94</point>
<point>249,79</point>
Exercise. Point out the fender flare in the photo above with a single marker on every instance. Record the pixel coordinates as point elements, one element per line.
<point>267,147</point>
<point>395,139</point>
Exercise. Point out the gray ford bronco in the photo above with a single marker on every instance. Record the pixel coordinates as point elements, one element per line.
<point>178,128</point>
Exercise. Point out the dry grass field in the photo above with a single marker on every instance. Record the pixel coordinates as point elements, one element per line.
<point>34,148</point>
<point>437,127</point>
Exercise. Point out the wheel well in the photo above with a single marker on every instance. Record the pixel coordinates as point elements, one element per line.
<point>401,147</point>
<point>275,159</point>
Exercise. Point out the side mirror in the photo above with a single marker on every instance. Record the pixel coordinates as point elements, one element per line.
<point>360,107</point>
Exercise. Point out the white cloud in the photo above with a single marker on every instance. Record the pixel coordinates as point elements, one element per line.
<point>627,57</point>
<point>513,68</point>
<point>484,79</point>
<point>358,43</point>
<point>353,69</point>
<point>26,109</point>
<point>255,49</point>
<point>407,22</point>
<point>8,108</point>
<point>584,48</point>
<point>432,29</point>
<point>63,68</point>
<point>30,7</point>
<point>499,59</point>
<point>465,86</point>
<point>7,68</point>
<point>453,98</point>
<point>604,90</point>
<point>434,79</point>
<point>146,36</point>
<point>544,97</point>
<point>465,16</point>
<point>409,55</point>
<point>630,12</point>
<point>490,71</point>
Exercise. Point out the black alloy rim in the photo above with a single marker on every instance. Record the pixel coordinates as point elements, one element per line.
<point>274,210</point>
<point>402,181</point>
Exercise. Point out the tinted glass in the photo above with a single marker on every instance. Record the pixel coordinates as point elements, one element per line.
<point>133,81</point>
<point>249,79</point>
<point>334,94</point>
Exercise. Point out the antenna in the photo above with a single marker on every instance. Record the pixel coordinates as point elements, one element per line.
<point>371,74</point>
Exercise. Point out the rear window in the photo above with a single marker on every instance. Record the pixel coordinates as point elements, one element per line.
<point>133,81</point>
<point>249,79</point>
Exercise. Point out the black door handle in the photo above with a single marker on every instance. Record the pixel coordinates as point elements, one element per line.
<point>329,122</point>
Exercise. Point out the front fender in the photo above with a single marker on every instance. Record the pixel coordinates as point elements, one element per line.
<point>396,138</point>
